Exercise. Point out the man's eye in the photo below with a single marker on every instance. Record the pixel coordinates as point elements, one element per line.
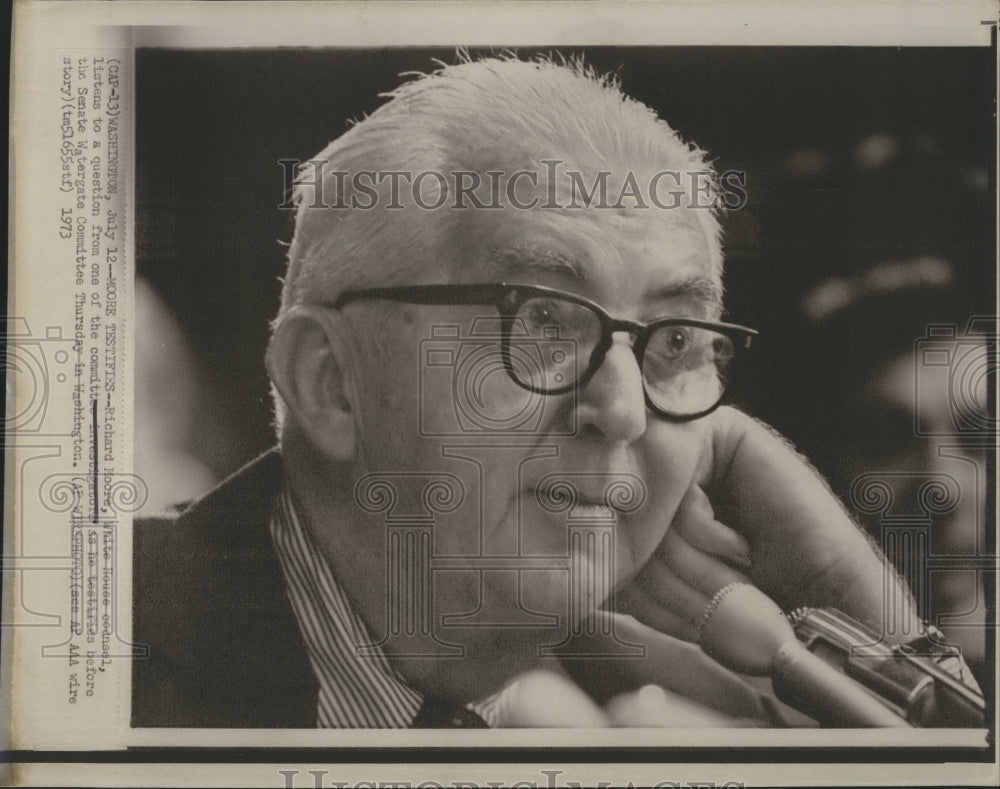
<point>543,313</point>
<point>676,342</point>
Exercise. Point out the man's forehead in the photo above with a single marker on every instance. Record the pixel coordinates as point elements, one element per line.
<point>510,261</point>
<point>663,247</point>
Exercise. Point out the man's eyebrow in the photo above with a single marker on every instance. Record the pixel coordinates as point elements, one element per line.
<point>511,261</point>
<point>696,288</point>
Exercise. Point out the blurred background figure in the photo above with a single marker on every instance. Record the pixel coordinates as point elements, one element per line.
<point>879,376</point>
<point>166,393</point>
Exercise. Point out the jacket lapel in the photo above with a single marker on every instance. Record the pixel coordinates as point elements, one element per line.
<point>210,602</point>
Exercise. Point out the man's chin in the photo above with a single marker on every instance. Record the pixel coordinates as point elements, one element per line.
<point>485,666</point>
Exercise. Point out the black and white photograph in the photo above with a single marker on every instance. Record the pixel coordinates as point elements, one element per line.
<point>462,492</point>
<point>607,401</point>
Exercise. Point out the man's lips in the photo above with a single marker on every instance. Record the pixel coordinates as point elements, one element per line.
<point>594,511</point>
<point>586,494</point>
<point>574,503</point>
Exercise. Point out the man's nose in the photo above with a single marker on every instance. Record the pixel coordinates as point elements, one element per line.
<point>612,402</point>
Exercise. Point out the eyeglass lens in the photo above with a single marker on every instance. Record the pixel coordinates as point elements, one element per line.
<point>685,368</point>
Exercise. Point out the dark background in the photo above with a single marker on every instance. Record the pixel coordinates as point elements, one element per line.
<point>212,125</point>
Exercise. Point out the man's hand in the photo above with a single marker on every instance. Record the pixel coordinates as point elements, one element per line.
<point>548,698</point>
<point>697,557</point>
<point>757,511</point>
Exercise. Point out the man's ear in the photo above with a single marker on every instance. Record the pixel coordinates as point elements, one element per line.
<point>307,360</point>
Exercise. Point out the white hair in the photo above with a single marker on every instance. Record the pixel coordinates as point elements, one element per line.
<point>501,114</point>
<point>492,114</point>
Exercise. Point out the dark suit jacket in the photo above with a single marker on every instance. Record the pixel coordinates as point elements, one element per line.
<point>209,603</point>
<point>222,644</point>
<point>224,647</point>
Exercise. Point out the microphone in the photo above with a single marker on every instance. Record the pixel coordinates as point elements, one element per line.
<point>745,631</point>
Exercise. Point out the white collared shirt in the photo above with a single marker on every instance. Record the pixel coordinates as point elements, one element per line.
<point>354,691</point>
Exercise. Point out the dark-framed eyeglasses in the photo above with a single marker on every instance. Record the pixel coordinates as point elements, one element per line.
<point>552,342</point>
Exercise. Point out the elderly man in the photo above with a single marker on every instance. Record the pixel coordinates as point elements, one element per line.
<point>498,366</point>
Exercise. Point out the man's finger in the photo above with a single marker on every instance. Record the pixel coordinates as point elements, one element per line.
<point>696,522</point>
<point>544,698</point>
<point>654,706</point>
<point>806,550</point>
<point>648,609</point>
<point>672,663</point>
<point>703,572</point>
<point>668,592</point>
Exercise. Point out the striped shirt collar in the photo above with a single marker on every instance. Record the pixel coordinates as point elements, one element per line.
<point>354,691</point>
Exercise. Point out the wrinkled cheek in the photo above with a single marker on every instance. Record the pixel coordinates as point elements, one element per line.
<point>387,388</point>
<point>388,428</point>
<point>674,454</point>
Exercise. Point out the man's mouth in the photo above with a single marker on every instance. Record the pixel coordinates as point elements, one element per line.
<point>574,504</point>
<point>592,510</point>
